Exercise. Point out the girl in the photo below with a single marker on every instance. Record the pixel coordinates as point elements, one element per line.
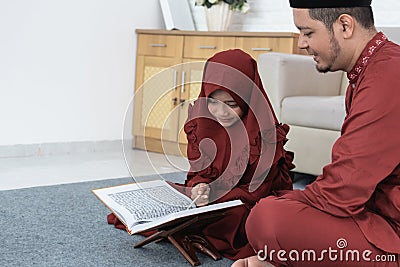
<point>235,147</point>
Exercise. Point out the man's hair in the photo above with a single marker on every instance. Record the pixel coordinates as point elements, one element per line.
<point>328,16</point>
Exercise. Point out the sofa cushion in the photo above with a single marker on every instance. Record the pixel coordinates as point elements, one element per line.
<point>322,112</point>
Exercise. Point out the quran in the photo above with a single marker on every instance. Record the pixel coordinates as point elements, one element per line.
<point>153,205</point>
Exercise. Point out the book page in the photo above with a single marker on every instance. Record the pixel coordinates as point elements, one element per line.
<point>186,213</point>
<point>146,205</point>
<point>143,202</point>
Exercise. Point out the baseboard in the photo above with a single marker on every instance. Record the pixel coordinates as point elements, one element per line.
<point>62,148</point>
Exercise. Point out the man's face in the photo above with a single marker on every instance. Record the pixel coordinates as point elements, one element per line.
<point>317,40</point>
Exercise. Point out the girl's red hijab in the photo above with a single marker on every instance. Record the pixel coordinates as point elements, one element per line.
<point>223,154</point>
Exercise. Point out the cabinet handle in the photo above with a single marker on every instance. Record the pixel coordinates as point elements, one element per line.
<point>261,49</point>
<point>183,82</point>
<point>175,79</point>
<point>207,47</point>
<point>158,45</point>
<point>175,100</point>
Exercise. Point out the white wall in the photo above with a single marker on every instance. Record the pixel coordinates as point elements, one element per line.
<point>276,15</point>
<point>67,66</point>
<point>264,15</point>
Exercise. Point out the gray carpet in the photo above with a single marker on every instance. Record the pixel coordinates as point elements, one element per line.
<point>65,225</point>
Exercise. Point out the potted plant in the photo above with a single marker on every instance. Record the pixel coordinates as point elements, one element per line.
<point>219,12</point>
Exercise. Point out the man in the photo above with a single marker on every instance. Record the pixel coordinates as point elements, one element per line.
<point>350,216</point>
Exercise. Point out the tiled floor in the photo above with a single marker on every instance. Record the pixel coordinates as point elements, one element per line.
<point>78,167</point>
<point>89,166</point>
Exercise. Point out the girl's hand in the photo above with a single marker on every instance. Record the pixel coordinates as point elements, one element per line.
<point>201,191</point>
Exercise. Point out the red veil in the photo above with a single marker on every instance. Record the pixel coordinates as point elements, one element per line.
<point>245,161</point>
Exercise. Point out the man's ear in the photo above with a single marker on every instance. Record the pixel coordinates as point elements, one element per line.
<point>346,24</point>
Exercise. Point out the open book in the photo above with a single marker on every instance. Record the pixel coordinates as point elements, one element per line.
<point>148,205</point>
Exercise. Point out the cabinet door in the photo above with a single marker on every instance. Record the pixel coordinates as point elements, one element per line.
<point>160,45</point>
<point>203,47</point>
<point>156,99</point>
<point>258,45</point>
<point>192,70</point>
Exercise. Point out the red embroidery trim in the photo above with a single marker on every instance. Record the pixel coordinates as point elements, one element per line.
<point>372,46</point>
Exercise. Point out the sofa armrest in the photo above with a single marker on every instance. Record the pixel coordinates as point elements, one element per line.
<point>286,75</point>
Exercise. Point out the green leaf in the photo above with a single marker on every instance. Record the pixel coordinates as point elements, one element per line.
<point>207,4</point>
<point>229,2</point>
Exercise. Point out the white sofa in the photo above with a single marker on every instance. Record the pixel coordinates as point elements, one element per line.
<point>312,104</point>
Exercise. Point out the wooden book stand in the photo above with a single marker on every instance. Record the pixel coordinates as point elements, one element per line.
<point>183,235</point>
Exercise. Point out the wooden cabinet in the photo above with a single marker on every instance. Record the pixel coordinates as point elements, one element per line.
<point>169,67</point>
